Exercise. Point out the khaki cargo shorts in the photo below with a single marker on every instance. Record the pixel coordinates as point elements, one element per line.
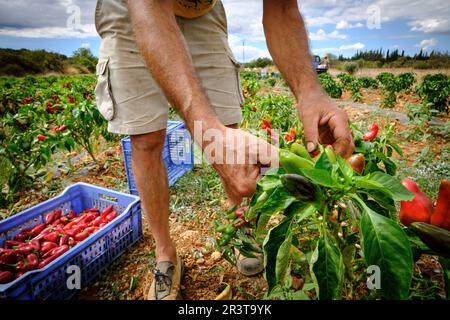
<point>126,93</point>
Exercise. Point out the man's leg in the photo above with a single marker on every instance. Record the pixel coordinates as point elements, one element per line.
<point>151,180</point>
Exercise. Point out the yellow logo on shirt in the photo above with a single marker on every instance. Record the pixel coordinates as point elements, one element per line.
<point>192,8</point>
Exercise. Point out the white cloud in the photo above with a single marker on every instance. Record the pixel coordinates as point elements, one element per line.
<point>346,47</point>
<point>431,25</point>
<point>343,24</point>
<point>86,45</point>
<point>84,31</point>
<point>320,35</point>
<point>427,43</point>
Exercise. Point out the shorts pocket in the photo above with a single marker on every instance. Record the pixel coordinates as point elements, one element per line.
<point>237,67</point>
<point>103,94</point>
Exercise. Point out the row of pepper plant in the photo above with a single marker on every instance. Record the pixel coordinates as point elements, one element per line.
<point>41,115</point>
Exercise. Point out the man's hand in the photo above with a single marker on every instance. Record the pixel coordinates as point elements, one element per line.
<point>325,123</point>
<point>243,155</point>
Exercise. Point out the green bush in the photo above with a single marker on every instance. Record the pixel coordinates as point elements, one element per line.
<point>350,67</point>
<point>435,89</point>
<point>331,87</point>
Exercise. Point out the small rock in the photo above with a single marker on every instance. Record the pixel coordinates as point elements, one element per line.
<point>200,261</point>
<point>216,256</point>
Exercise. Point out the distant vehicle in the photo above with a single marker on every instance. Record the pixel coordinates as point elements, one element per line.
<point>320,67</point>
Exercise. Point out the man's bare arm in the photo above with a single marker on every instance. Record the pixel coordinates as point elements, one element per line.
<point>166,54</point>
<point>287,41</point>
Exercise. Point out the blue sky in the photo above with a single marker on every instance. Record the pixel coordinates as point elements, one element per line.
<point>334,26</point>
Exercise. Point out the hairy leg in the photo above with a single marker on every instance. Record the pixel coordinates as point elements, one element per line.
<point>151,180</point>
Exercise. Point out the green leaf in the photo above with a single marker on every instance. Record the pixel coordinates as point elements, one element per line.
<point>272,243</point>
<point>389,165</point>
<point>279,200</point>
<point>282,261</point>
<point>393,185</point>
<point>269,182</point>
<point>397,148</point>
<point>323,162</point>
<point>319,176</point>
<point>329,269</point>
<point>371,166</point>
<point>384,183</point>
<point>313,259</point>
<point>386,245</point>
<point>345,168</point>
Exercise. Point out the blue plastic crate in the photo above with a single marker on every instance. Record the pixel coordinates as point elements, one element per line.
<point>91,256</point>
<point>177,154</point>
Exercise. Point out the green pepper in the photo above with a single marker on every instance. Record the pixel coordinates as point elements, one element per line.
<point>225,239</point>
<point>222,228</point>
<point>230,229</point>
<point>300,150</point>
<point>293,163</point>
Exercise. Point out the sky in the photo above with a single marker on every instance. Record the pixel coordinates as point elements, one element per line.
<point>334,26</point>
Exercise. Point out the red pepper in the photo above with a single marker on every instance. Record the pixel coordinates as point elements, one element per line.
<point>24,249</point>
<point>240,212</point>
<point>26,231</point>
<point>254,109</point>
<point>21,237</point>
<point>90,216</point>
<point>61,128</point>
<point>58,213</point>
<point>49,218</point>
<point>52,237</point>
<point>102,224</point>
<point>73,232</point>
<point>441,213</point>
<point>41,235</point>
<point>80,218</point>
<point>6,276</point>
<point>32,261</point>
<point>91,230</point>
<point>98,221</point>
<point>46,246</point>
<point>64,220</point>
<point>372,133</point>
<point>107,210</point>
<point>8,244</point>
<point>83,225</point>
<point>72,214</point>
<point>61,250</point>
<point>7,256</point>
<point>41,137</point>
<point>20,266</point>
<point>81,236</point>
<point>266,123</point>
<point>63,240</point>
<point>37,229</point>
<point>35,244</point>
<point>111,216</point>
<point>70,225</point>
<point>418,209</point>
